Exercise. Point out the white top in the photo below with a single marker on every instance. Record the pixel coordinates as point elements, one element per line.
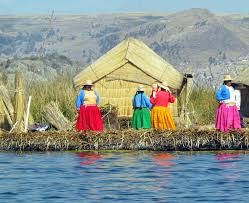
<point>154,94</point>
<point>237,99</point>
<point>232,95</point>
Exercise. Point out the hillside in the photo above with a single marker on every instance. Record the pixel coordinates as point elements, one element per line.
<point>38,68</point>
<point>197,41</point>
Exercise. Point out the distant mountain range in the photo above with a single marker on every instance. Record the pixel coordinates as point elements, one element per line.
<point>194,41</point>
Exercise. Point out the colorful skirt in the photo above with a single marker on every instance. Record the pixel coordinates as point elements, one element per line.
<point>161,118</point>
<point>141,118</point>
<point>227,117</point>
<point>89,118</point>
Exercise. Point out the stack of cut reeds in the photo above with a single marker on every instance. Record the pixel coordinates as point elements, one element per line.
<point>12,116</point>
<point>52,114</point>
<point>19,102</point>
<point>6,109</point>
<point>110,116</point>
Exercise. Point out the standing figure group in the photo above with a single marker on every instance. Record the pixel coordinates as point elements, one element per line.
<point>228,114</point>
<point>159,117</point>
<point>153,112</point>
<point>89,116</point>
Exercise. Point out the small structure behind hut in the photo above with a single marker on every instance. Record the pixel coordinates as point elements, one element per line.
<point>244,89</point>
<point>118,73</point>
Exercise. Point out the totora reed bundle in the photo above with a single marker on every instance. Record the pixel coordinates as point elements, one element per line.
<point>19,102</point>
<point>52,114</point>
<point>6,109</point>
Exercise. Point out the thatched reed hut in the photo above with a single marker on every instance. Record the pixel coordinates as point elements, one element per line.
<point>118,73</point>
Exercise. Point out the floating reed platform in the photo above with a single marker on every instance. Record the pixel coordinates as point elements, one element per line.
<point>156,140</point>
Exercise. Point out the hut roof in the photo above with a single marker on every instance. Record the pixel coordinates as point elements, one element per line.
<point>138,54</point>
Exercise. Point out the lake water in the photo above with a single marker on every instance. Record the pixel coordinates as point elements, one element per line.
<point>124,177</point>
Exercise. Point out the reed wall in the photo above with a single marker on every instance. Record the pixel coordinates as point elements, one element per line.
<point>119,87</point>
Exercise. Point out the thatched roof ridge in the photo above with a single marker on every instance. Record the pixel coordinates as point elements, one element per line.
<point>137,53</point>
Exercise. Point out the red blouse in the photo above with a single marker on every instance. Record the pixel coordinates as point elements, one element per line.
<point>163,98</point>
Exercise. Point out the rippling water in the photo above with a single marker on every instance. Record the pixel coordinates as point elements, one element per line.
<point>124,177</point>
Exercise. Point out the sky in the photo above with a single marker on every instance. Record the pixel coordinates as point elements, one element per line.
<point>27,7</point>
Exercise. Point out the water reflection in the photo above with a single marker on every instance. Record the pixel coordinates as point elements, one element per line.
<point>228,162</point>
<point>163,159</point>
<point>88,158</point>
<point>227,156</point>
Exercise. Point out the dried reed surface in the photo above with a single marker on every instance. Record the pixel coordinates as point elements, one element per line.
<point>127,140</point>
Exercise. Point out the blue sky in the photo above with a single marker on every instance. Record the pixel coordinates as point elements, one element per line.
<point>26,7</point>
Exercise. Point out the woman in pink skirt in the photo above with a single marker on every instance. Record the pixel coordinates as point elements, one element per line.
<point>227,115</point>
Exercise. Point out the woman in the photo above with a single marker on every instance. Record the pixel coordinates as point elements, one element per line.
<point>227,115</point>
<point>141,106</point>
<point>89,117</point>
<point>160,115</point>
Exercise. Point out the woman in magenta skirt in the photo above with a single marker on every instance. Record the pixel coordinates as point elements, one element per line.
<point>89,116</point>
<point>227,115</point>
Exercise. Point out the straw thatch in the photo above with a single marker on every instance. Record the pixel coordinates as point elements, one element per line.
<point>54,116</point>
<point>19,101</point>
<point>6,109</point>
<point>4,94</point>
<point>117,74</point>
<point>127,140</point>
<point>184,99</point>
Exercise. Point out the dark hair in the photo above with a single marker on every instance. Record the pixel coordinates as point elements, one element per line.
<point>86,86</point>
<point>139,92</point>
<point>234,85</point>
<point>226,81</point>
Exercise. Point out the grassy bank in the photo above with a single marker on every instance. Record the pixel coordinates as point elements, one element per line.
<point>201,107</point>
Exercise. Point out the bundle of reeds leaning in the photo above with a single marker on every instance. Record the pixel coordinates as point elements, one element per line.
<point>52,114</point>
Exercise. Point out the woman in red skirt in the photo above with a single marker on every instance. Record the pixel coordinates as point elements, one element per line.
<point>89,117</point>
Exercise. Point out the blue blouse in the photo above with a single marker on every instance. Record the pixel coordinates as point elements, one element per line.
<point>141,97</point>
<point>81,96</point>
<point>222,93</point>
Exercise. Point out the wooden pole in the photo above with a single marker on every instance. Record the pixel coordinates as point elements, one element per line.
<point>189,88</point>
<point>27,115</point>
